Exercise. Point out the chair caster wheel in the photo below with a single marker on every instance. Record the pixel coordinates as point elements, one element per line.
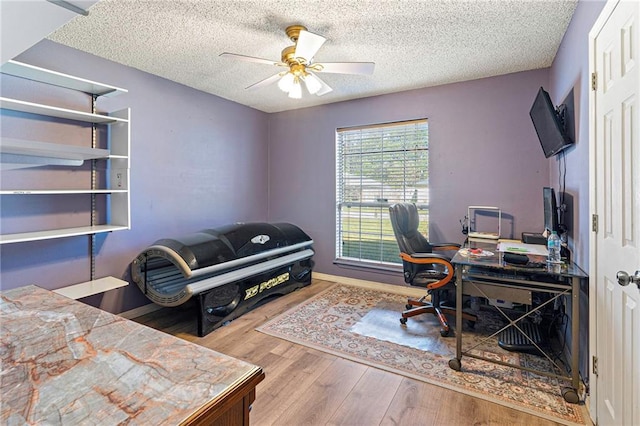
<point>570,395</point>
<point>408,306</point>
<point>403,321</point>
<point>454,364</point>
<point>444,333</point>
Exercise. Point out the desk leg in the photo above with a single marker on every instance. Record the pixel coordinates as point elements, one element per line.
<point>454,363</point>
<point>571,394</point>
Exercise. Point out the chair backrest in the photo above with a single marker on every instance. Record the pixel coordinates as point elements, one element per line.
<point>405,221</point>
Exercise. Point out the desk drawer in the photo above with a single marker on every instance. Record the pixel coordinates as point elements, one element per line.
<point>496,291</point>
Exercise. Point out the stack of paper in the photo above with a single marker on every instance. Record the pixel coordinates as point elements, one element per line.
<point>522,248</point>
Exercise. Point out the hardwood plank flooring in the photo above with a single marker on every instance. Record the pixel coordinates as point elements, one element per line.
<point>304,386</point>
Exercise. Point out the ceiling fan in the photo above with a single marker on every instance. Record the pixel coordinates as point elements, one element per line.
<point>301,70</point>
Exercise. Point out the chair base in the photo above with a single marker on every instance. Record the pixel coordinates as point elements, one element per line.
<point>420,306</point>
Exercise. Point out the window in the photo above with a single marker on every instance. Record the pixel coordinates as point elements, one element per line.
<point>377,166</point>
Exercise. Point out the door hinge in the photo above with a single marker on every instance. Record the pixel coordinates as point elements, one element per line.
<point>594,81</point>
<point>594,365</point>
<point>594,223</point>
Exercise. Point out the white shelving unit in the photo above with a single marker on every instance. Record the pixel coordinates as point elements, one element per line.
<point>114,164</point>
<point>54,78</point>
<point>18,153</point>
<point>78,291</point>
<point>52,111</point>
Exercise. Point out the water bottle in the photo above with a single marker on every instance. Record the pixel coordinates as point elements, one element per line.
<point>553,246</point>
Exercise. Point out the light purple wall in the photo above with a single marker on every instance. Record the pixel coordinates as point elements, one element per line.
<point>570,70</point>
<point>483,151</point>
<point>197,161</point>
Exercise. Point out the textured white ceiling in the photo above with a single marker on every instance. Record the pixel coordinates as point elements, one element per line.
<point>414,44</point>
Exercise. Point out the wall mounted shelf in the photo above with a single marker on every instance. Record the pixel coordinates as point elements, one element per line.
<point>58,233</point>
<point>54,78</point>
<point>19,153</point>
<point>78,291</point>
<point>52,111</point>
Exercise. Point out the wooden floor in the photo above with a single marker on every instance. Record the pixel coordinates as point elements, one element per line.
<point>307,387</point>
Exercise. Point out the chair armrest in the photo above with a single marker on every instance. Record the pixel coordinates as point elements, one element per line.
<point>431,259</point>
<point>445,246</point>
<point>420,257</point>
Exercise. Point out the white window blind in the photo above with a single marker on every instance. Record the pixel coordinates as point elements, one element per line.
<point>377,166</point>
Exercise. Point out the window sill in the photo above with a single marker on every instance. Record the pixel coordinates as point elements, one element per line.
<point>370,266</point>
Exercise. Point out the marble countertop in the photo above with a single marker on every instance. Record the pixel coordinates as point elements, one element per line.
<point>64,362</point>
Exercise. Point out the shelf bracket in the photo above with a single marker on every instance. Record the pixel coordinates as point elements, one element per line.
<point>94,177</point>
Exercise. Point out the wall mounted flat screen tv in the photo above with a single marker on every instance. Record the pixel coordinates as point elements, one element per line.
<point>550,124</point>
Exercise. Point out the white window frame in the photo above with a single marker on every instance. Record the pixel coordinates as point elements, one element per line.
<point>363,229</point>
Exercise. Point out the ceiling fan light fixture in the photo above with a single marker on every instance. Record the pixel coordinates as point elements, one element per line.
<point>286,82</point>
<point>312,83</point>
<point>296,89</point>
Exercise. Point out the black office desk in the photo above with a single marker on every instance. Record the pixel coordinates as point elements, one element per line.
<point>491,278</point>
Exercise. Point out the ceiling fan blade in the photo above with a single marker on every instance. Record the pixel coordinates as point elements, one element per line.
<point>308,45</point>
<point>324,87</point>
<point>250,59</point>
<point>364,68</point>
<point>262,83</point>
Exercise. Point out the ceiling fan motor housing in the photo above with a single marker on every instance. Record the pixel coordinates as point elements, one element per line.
<point>288,55</point>
<point>297,66</point>
<point>293,32</point>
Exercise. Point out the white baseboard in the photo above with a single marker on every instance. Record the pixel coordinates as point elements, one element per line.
<point>140,311</point>
<point>393,288</point>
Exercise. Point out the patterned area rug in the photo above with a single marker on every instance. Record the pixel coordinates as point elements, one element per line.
<point>363,325</point>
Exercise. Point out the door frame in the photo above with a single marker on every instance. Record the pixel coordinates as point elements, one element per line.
<point>598,25</point>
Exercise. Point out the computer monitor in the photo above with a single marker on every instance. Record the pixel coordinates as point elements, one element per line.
<point>551,222</point>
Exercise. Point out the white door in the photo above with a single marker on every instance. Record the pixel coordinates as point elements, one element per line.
<point>615,182</point>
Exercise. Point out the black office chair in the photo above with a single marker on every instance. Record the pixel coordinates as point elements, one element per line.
<point>422,267</point>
